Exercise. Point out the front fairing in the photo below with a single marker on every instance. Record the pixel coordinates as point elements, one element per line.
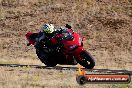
<point>75,42</point>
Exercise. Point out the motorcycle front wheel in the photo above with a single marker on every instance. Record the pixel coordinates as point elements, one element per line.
<point>87,60</point>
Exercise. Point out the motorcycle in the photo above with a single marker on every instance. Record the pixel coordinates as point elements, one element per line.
<point>68,51</point>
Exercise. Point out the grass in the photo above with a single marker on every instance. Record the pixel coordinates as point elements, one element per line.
<point>105,24</point>
<point>27,77</point>
<point>120,86</point>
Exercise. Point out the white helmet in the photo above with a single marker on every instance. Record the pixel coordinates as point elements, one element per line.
<point>48,28</point>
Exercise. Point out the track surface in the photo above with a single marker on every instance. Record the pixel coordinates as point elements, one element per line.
<point>67,68</point>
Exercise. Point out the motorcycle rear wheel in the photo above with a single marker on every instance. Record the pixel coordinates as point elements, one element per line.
<point>47,61</point>
<point>88,61</point>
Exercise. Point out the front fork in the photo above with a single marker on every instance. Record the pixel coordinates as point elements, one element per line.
<point>77,52</point>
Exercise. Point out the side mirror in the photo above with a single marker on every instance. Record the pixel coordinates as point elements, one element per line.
<point>68,26</point>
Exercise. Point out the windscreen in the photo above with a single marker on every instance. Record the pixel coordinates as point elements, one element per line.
<point>67,35</point>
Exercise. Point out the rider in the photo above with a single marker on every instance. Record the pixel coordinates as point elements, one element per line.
<point>47,33</point>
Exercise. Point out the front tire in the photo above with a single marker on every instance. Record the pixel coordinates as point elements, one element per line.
<point>87,60</point>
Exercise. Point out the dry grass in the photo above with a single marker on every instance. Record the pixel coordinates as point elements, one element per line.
<point>106,24</point>
<point>26,77</point>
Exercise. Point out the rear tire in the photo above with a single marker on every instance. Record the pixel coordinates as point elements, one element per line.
<point>44,59</point>
<point>88,61</point>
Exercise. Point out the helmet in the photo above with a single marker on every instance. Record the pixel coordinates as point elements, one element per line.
<point>48,28</point>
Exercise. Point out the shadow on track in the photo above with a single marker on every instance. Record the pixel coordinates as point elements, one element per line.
<point>66,68</point>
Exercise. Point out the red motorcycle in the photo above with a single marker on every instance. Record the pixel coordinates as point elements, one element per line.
<point>68,50</point>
